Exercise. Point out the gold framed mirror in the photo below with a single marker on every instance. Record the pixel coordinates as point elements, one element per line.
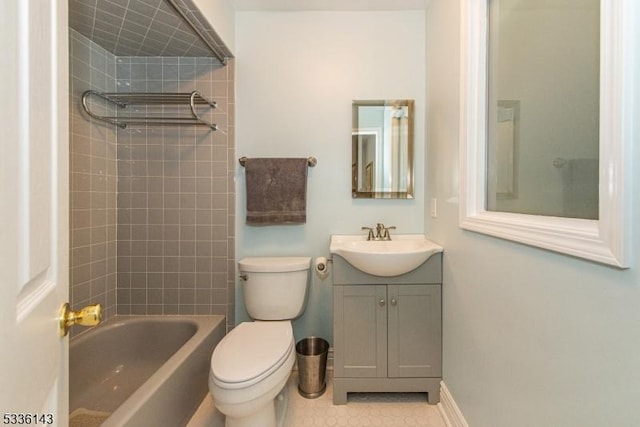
<point>382,149</point>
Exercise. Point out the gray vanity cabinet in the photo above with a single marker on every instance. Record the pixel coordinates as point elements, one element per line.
<point>387,331</point>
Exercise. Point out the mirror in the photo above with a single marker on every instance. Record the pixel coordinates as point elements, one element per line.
<point>382,149</point>
<point>490,170</point>
<point>543,107</point>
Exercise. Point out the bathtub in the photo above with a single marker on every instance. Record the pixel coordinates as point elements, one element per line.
<point>139,371</point>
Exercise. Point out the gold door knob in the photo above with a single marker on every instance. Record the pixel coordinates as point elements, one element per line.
<point>90,315</point>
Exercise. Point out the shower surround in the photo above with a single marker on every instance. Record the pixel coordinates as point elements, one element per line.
<point>152,208</point>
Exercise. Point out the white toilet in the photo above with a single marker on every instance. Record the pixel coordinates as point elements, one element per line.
<point>251,365</point>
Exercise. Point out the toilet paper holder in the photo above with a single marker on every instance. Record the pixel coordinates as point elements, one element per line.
<point>321,266</point>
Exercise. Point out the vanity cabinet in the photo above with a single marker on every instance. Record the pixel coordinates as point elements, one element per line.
<point>387,331</point>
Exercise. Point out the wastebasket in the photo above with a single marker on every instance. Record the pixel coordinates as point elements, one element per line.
<point>311,354</point>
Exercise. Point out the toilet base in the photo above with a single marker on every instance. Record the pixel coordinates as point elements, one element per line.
<point>271,415</point>
<point>282,403</point>
<point>265,417</point>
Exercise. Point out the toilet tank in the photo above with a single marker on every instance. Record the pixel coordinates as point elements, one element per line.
<point>274,288</point>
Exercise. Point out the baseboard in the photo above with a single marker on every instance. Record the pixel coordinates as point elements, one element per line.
<point>449,410</point>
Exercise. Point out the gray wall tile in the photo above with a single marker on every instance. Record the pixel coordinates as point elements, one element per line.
<point>93,181</point>
<point>156,222</point>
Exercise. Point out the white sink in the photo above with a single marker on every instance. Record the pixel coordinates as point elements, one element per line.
<point>405,252</point>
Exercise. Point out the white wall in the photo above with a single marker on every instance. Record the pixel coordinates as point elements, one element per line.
<point>531,338</point>
<point>220,14</point>
<point>297,73</point>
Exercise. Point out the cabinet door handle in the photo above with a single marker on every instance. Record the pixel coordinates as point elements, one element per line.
<point>393,301</point>
<point>381,302</point>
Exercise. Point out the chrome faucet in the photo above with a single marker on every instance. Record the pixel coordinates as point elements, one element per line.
<point>382,232</point>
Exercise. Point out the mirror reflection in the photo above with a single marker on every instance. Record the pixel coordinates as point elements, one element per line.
<point>382,149</point>
<point>543,109</point>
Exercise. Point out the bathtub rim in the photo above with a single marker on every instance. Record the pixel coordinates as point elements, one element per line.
<point>205,324</point>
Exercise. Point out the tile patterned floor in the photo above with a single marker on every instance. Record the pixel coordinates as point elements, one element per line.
<point>362,409</point>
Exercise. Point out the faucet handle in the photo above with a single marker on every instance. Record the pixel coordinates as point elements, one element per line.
<point>370,236</point>
<point>385,232</point>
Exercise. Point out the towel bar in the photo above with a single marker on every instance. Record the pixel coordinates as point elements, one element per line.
<point>124,99</point>
<point>312,161</point>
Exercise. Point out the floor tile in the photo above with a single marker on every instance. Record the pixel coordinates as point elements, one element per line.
<point>362,409</point>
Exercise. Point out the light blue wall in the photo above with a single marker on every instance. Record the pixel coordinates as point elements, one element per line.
<point>297,74</point>
<point>531,337</point>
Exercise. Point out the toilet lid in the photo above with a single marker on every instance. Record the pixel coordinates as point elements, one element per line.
<point>251,352</point>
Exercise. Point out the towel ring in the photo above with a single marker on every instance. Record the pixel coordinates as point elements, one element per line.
<point>312,161</point>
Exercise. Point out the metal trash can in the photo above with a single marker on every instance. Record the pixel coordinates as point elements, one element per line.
<point>311,354</point>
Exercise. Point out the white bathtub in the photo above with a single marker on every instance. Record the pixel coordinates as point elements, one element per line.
<point>143,370</point>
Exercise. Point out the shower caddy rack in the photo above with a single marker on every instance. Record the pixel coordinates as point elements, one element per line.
<point>126,99</point>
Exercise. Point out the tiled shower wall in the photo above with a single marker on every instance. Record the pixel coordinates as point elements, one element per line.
<point>168,192</point>
<point>176,196</point>
<point>93,181</point>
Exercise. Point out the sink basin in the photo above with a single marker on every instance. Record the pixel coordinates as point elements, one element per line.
<point>385,258</point>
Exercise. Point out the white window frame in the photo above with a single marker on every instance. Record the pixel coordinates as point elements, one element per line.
<point>604,240</point>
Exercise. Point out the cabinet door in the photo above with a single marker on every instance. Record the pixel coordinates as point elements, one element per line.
<point>415,330</point>
<point>360,331</point>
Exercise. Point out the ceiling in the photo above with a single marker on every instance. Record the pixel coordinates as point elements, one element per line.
<point>145,27</point>
<point>156,28</point>
<point>300,5</point>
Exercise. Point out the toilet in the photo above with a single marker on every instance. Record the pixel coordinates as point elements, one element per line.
<point>252,363</point>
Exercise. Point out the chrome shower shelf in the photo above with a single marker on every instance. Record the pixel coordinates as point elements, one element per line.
<point>126,99</point>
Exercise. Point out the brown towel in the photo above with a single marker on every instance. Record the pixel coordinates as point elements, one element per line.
<point>276,190</point>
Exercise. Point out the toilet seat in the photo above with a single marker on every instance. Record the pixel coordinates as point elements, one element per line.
<point>251,352</point>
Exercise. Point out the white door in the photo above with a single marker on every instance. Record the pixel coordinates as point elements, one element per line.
<point>33,211</point>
